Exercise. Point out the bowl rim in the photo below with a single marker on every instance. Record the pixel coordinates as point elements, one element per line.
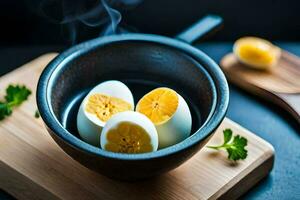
<point>214,119</point>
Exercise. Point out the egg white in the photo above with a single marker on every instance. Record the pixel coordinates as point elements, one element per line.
<point>177,128</point>
<point>89,125</point>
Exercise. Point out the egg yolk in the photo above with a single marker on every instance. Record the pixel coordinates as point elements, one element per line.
<point>257,52</point>
<point>104,107</point>
<point>159,105</point>
<point>128,138</point>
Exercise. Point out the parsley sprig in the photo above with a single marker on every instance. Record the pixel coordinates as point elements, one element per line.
<point>235,147</point>
<point>15,96</point>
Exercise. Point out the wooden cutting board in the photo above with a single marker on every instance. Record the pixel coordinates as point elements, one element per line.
<point>32,166</point>
<point>281,85</point>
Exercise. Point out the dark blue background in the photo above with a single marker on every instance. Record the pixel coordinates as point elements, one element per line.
<point>23,22</point>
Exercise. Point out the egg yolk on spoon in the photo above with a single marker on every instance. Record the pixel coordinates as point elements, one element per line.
<point>104,106</point>
<point>256,52</point>
<point>128,137</point>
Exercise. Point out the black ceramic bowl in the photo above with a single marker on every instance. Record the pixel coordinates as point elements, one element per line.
<point>142,62</point>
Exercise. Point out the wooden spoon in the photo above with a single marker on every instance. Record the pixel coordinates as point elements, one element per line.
<point>280,85</point>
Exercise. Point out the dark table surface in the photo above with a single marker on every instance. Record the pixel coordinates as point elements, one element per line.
<point>266,120</point>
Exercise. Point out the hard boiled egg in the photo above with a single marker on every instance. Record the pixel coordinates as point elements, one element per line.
<point>129,132</point>
<point>170,114</point>
<point>256,52</point>
<point>100,104</point>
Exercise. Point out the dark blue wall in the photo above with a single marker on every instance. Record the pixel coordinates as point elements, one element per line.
<point>272,19</point>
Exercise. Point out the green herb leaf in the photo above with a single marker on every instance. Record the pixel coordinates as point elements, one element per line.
<point>235,148</point>
<point>227,133</point>
<point>5,110</point>
<point>37,114</point>
<point>15,96</point>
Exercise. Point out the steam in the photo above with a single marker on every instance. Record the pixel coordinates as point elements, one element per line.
<point>100,14</point>
<point>115,18</point>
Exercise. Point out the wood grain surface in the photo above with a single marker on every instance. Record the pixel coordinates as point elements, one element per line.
<point>280,85</point>
<point>32,166</point>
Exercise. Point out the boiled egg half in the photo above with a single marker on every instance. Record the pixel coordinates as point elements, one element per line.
<point>256,52</point>
<point>100,104</point>
<point>170,114</point>
<point>129,132</point>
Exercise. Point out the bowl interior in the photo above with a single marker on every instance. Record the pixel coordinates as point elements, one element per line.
<point>142,66</point>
